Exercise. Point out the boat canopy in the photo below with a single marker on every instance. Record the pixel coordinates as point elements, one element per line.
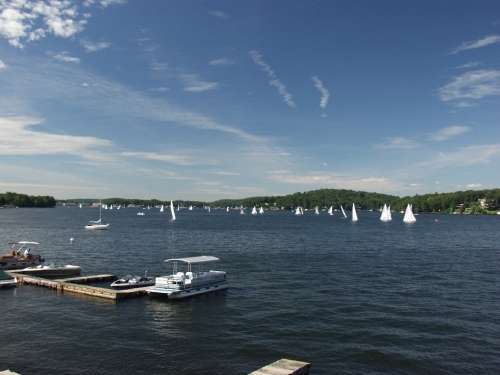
<point>194,260</point>
<point>5,276</point>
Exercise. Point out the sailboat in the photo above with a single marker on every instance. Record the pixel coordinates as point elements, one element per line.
<point>386,214</point>
<point>227,209</point>
<point>354,215</point>
<point>172,210</point>
<point>261,211</point>
<point>254,211</point>
<point>317,210</point>
<point>178,207</point>
<point>97,225</point>
<point>342,208</point>
<point>299,211</point>
<point>330,210</point>
<point>242,211</point>
<point>409,218</point>
<point>190,208</point>
<point>161,209</point>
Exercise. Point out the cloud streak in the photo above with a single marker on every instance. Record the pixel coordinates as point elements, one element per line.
<point>475,84</point>
<point>282,90</point>
<point>324,92</point>
<point>194,84</point>
<point>93,47</point>
<point>395,143</point>
<point>449,132</point>
<point>477,44</point>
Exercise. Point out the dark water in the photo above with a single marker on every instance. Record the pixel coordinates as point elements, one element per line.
<point>351,298</point>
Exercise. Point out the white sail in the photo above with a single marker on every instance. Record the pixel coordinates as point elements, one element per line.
<point>386,214</point>
<point>330,210</point>
<point>409,218</point>
<point>227,209</point>
<point>254,210</point>
<point>190,208</point>
<point>354,215</point>
<point>172,210</point>
<point>161,208</point>
<point>342,208</point>
<point>317,210</point>
<point>297,211</point>
<point>261,211</point>
<point>389,212</point>
<point>178,207</point>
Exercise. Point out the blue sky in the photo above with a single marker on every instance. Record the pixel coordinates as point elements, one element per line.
<point>230,99</point>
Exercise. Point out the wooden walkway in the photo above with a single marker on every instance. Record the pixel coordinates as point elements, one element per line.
<point>74,285</point>
<point>284,367</point>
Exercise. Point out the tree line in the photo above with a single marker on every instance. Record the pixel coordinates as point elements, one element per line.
<point>459,201</point>
<point>23,200</point>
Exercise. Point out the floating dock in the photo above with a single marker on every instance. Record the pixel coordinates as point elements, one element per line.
<point>74,285</point>
<point>284,367</point>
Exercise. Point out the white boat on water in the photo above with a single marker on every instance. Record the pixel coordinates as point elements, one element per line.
<point>409,217</point>
<point>386,213</point>
<point>51,270</point>
<point>7,280</point>
<point>194,281</point>
<point>254,210</point>
<point>299,211</point>
<point>261,211</point>
<point>330,210</point>
<point>161,208</point>
<point>354,214</point>
<point>129,282</point>
<point>317,210</point>
<point>97,225</point>
<point>141,213</point>
<point>21,256</point>
<point>343,212</point>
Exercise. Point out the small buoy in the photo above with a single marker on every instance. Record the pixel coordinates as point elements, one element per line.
<point>72,239</point>
<point>436,220</point>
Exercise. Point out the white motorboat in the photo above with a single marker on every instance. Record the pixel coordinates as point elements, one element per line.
<point>129,282</point>
<point>97,225</point>
<point>140,214</point>
<point>7,280</point>
<point>194,281</point>
<point>51,270</point>
<point>21,256</point>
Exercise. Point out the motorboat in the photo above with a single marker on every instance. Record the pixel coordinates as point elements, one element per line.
<point>128,282</point>
<point>7,280</point>
<point>51,270</point>
<point>194,281</point>
<point>140,213</point>
<point>21,256</point>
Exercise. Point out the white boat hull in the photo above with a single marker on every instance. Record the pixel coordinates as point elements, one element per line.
<point>180,294</point>
<point>43,270</point>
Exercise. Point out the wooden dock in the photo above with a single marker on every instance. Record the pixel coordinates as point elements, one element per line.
<point>74,285</point>
<point>284,367</point>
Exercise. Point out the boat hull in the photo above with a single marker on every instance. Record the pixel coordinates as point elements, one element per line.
<point>186,293</point>
<point>8,283</point>
<point>49,271</point>
<point>17,264</point>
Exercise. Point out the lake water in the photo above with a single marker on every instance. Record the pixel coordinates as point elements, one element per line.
<point>348,297</point>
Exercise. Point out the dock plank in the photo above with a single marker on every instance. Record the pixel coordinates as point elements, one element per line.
<point>284,367</point>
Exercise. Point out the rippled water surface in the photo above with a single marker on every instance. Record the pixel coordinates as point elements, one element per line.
<point>350,298</point>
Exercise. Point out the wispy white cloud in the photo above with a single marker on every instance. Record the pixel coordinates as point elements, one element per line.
<point>19,139</point>
<point>338,181</point>
<point>160,89</point>
<point>63,56</point>
<point>159,66</point>
<point>103,3</point>
<point>473,186</point>
<point>475,84</point>
<point>282,90</point>
<point>222,61</point>
<point>477,44</point>
<point>325,96</point>
<point>2,65</point>
<point>194,84</point>
<point>397,142</point>
<point>471,155</point>
<point>174,159</point>
<point>93,47</point>
<point>219,14</point>
<point>448,132</point>
<point>468,65</point>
